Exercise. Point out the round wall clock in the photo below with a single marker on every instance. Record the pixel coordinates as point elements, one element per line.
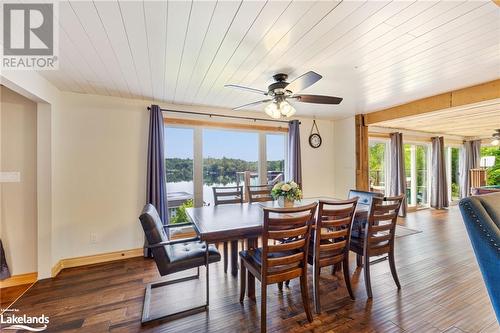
<point>314,138</point>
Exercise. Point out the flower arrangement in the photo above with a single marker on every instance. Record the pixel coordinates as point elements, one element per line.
<point>287,192</point>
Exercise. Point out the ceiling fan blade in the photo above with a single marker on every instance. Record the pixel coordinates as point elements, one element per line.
<point>258,91</point>
<point>317,99</point>
<point>251,104</point>
<point>303,81</point>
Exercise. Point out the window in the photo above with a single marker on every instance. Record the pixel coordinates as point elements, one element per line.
<point>275,157</point>
<point>179,171</point>
<point>492,172</point>
<point>226,157</point>
<point>199,158</point>
<point>417,160</point>
<point>453,170</point>
<point>378,166</point>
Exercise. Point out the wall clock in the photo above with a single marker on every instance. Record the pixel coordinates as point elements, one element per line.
<point>314,138</point>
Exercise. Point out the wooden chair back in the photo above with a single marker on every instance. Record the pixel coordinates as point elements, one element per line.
<point>332,230</point>
<point>259,193</point>
<point>381,226</point>
<point>227,195</point>
<point>291,227</point>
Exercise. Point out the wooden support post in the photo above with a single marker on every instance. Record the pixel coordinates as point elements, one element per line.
<point>361,153</point>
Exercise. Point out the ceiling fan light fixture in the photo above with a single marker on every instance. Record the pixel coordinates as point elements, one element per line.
<point>272,110</point>
<point>286,109</point>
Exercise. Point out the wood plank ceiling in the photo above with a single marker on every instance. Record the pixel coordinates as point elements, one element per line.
<point>375,54</point>
<point>478,120</point>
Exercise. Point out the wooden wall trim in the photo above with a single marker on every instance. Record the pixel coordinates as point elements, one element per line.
<point>221,124</point>
<point>95,259</point>
<point>413,138</point>
<point>478,93</point>
<point>361,153</point>
<point>18,280</point>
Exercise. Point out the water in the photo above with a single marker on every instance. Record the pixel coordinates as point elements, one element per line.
<point>208,196</point>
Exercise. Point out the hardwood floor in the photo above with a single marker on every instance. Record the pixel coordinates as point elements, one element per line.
<point>10,294</point>
<point>442,291</point>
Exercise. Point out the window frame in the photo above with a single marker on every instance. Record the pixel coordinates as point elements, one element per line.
<point>413,173</point>
<point>198,127</point>
<point>387,161</point>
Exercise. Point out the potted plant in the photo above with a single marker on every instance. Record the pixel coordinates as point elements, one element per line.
<point>286,193</point>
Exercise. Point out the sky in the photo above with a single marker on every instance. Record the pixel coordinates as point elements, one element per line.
<point>222,143</point>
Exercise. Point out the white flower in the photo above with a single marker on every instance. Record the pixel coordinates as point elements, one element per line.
<point>294,184</point>
<point>286,187</point>
<point>277,186</point>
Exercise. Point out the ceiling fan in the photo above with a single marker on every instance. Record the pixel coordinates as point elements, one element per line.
<point>280,92</point>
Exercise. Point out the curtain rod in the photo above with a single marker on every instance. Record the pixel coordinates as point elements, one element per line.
<point>223,116</point>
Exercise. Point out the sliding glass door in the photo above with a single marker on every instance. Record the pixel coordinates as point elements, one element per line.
<point>453,171</point>
<point>417,161</point>
<point>378,163</point>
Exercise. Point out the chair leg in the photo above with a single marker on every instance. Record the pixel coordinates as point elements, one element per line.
<point>347,276</point>
<point>280,286</point>
<point>359,260</point>
<point>317,304</point>
<point>366,268</point>
<point>243,281</point>
<point>287,283</point>
<point>305,296</point>
<point>263,309</point>
<point>393,269</point>
<point>226,260</point>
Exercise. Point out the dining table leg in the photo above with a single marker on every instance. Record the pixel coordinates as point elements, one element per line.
<point>234,258</point>
<point>252,243</point>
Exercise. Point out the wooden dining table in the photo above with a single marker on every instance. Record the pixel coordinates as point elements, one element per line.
<point>235,222</point>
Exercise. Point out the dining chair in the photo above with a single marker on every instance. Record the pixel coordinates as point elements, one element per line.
<point>223,196</point>
<point>260,193</point>
<point>364,202</point>
<point>274,263</point>
<point>172,256</point>
<point>329,244</point>
<point>378,236</point>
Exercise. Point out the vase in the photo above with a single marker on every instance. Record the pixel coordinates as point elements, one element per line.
<point>285,202</point>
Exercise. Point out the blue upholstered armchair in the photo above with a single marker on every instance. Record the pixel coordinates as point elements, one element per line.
<point>482,219</point>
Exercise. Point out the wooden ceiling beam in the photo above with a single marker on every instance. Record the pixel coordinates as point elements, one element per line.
<point>474,94</point>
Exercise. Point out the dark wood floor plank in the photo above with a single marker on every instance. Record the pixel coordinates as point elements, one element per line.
<point>442,291</point>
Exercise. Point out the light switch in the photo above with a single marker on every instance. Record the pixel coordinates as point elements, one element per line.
<point>10,177</point>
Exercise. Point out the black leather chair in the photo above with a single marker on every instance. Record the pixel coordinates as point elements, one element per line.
<point>172,256</point>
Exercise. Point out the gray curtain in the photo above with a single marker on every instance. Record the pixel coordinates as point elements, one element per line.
<point>156,187</point>
<point>398,176</point>
<point>471,155</point>
<point>439,183</point>
<point>294,159</point>
<point>4,269</point>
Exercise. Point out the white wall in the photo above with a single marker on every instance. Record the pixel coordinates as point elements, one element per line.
<point>318,163</point>
<point>100,168</point>
<point>345,156</point>
<point>18,207</point>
